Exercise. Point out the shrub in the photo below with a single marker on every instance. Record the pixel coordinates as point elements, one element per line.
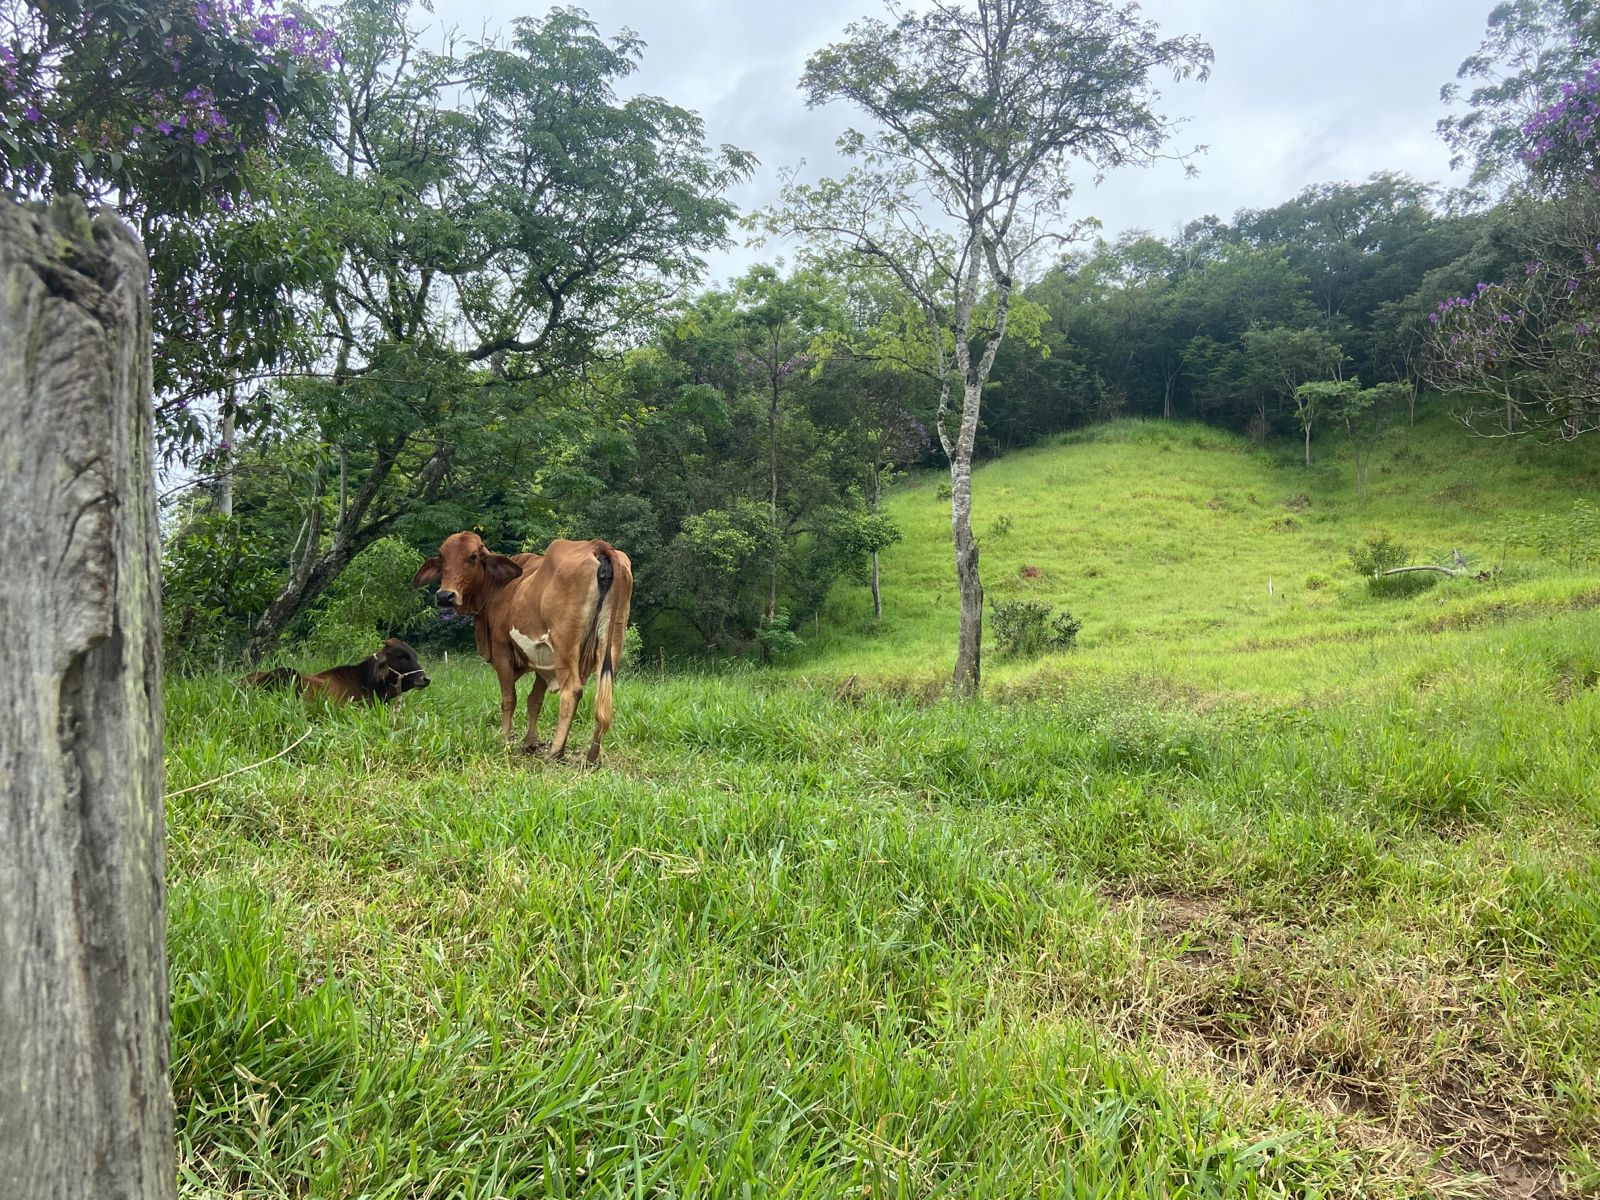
<point>999,527</point>
<point>1032,627</point>
<point>1316,582</point>
<point>1379,552</point>
<point>216,578</point>
<point>1572,536</point>
<point>372,599</point>
<point>776,638</point>
<point>943,492</point>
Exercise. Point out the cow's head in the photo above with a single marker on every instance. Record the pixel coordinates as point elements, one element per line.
<point>467,574</point>
<point>398,668</point>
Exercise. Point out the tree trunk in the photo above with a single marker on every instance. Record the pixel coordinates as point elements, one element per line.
<point>225,459</point>
<point>352,533</point>
<point>85,1102</point>
<point>1169,378</point>
<point>772,455</point>
<point>874,497</point>
<point>315,572</point>
<point>969,637</point>
<point>1308,443</point>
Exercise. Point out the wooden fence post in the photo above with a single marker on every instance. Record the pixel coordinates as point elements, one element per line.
<point>85,1099</point>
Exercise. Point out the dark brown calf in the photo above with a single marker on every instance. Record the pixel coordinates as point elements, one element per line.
<point>392,670</point>
<point>560,616</point>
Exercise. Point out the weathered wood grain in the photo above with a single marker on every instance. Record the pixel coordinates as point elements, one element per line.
<point>85,1101</point>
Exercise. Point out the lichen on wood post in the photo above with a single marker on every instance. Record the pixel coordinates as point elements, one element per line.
<point>85,1100</point>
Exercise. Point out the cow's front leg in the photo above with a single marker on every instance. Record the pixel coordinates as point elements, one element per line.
<point>508,701</point>
<point>531,743</point>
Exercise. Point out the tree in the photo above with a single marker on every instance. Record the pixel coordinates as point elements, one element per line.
<point>781,318</point>
<point>1531,340</point>
<point>1360,246</point>
<point>978,115</point>
<point>1363,414</point>
<point>501,217</point>
<point>159,104</point>
<point>1282,359</point>
<point>177,112</point>
<point>1530,48</point>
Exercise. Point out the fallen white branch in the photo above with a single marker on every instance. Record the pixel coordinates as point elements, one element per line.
<point>1426,567</point>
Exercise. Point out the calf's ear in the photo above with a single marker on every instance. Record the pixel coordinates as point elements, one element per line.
<point>427,573</point>
<point>501,569</point>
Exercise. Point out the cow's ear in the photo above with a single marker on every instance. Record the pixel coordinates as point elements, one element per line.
<point>427,573</point>
<point>501,569</point>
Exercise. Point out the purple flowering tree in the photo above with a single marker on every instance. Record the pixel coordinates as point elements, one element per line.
<point>1529,48</point>
<point>1527,348</point>
<point>156,105</point>
<point>175,112</point>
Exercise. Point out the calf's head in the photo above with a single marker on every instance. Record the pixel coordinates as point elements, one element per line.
<point>467,574</point>
<point>398,668</point>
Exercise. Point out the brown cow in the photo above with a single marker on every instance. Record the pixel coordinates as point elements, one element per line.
<point>383,676</point>
<point>559,615</point>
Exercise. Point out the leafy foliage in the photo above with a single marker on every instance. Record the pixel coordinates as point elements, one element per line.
<point>168,104</point>
<point>499,215</point>
<point>1571,537</point>
<point>1379,552</point>
<point>1023,628</point>
<point>1530,49</point>
<point>216,577</point>
<point>372,599</point>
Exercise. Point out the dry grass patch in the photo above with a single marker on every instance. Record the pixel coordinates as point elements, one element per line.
<point>1397,1042</point>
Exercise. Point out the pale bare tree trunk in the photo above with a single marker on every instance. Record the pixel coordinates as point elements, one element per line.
<point>969,636</point>
<point>225,459</point>
<point>772,444</point>
<point>872,506</point>
<point>85,1102</point>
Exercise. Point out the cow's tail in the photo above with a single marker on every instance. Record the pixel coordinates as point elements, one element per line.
<point>610,628</point>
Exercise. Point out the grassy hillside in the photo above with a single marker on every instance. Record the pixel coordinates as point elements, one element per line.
<point>1164,539</point>
<point>1291,894</point>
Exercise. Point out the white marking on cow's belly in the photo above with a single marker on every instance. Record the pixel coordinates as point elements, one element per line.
<point>538,650</point>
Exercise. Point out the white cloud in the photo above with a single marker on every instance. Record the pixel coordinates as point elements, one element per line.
<point>1303,92</point>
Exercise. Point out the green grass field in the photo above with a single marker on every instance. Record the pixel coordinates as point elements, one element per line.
<point>1252,894</point>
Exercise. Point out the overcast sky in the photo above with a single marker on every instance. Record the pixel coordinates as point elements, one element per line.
<point>1303,91</point>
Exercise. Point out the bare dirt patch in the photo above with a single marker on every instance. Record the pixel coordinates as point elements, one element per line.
<point>1401,1055</point>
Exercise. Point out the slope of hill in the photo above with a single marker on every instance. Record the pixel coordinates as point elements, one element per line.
<point>1192,556</point>
<point>1257,894</point>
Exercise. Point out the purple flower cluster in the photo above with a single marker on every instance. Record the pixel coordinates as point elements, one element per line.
<point>167,81</point>
<point>192,117</point>
<point>1571,119</point>
<point>14,84</point>
<point>1444,307</point>
<point>282,37</point>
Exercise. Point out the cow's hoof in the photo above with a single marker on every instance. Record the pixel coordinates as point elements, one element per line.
<point>532,750</point>
<point>592,759</point>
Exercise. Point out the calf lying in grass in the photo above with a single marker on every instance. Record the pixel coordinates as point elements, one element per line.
<point>392,670</point>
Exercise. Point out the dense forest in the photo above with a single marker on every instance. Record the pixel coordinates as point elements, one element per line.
<point>463,289</point>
